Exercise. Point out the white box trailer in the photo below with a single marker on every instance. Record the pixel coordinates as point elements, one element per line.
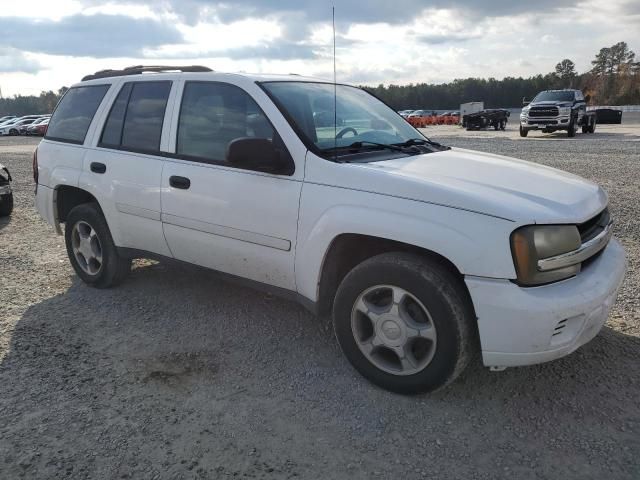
<point>470,107</point>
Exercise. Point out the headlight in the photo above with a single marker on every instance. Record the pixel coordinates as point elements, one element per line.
<point>535,242</point>
<point>564,110</point>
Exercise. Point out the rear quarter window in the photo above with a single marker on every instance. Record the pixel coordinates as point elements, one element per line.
<point>73,115</point>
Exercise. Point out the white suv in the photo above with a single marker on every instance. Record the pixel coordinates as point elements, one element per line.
<point>422,253</point>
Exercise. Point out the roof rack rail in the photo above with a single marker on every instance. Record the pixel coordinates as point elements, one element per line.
<point>139,69</point>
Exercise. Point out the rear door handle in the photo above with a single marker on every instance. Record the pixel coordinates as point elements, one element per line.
<point>179,182</point>
<point>98,167</point>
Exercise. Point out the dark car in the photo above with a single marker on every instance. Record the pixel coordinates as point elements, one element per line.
<point>38,127</point>
<point>608,115</point>
<point>22,129</point>
<point>6,194</point>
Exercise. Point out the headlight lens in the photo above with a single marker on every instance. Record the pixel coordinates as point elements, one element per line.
<point>535,242</point>
<point>564,110</point>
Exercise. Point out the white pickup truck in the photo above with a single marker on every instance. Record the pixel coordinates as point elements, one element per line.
<point>423,254</point>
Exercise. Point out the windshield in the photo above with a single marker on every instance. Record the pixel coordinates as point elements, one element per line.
<point>358,117</point>
<point>554,97</point>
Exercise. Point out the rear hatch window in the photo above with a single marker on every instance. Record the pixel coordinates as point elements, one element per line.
<point>72,117</point>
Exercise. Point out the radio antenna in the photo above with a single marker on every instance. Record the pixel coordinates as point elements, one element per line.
<point>335,91</point>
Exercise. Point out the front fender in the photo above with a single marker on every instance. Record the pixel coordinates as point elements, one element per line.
<point>476,244</point>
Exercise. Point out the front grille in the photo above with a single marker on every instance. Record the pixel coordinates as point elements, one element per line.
<point>592,227</point>
<point>543,112</point>
<point>543,122</point>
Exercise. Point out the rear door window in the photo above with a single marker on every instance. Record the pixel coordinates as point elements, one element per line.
<point>73,115</point>
<point>136,117</point>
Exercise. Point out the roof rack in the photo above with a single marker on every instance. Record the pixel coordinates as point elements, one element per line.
<point>139,69</point>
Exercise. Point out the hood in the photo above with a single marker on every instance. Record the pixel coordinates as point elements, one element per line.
<point>504,187</point>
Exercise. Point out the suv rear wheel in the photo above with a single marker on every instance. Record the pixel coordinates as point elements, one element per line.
<point>91,250</point>
<point>404,322</point>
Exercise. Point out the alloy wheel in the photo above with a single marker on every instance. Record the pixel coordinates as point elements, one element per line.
<point>87,249</point>
<point>393,330</point>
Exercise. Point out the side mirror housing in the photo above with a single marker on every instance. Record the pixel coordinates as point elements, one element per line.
<point>525,102</point>
<point>259,154</point>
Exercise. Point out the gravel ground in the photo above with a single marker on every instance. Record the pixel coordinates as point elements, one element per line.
<point>177,374</point>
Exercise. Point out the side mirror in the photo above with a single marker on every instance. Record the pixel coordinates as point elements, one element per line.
<point>587,98</point>
<point>259,154</point>
<point>525,102</point>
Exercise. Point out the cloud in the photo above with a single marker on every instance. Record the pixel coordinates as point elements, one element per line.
<point>96,36</point>
<point>439,38</point>
<point>12,61</point>
<point>350,11</point>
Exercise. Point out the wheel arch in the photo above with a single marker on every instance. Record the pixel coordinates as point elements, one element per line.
<point>65,198</point>
<point>350,249</point>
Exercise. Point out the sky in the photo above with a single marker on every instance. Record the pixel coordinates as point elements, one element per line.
<point>50,43</point>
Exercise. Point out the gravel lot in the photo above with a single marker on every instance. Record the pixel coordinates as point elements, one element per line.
<point>177,374</point>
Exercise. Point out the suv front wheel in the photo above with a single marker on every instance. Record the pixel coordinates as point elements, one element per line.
<point>91,250</point>
<point>404,322</point>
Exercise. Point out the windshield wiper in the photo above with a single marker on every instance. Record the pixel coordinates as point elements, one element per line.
<point>421,141</point>
<point>362,143</point>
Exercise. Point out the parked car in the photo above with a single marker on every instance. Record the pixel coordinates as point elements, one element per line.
<point>22,130</point>
<point>6,118</point>
<point>426,256</point>
<point>405,113</point>
<point>9,122</point>
<point>609,115</point>
<point>38,127</point>
<point>6,193</point>
<point>14,128</point>
<point>553,110</point>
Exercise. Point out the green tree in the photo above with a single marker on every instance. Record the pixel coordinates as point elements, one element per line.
<point>566,69</point>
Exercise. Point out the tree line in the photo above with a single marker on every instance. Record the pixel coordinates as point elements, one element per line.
<point>19,105</point>
<point>614,79</point>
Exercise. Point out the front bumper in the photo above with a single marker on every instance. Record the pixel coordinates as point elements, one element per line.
<point>561,122</point>
<point>524,326</point>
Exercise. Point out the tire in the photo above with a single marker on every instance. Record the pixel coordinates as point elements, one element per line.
<point>13,132</point>
<point>585,128</point>
<point>592,126</point>
<point>87,234</point>
<point>6,204</point>
<point>420,285</point>
<point>503,124</point>
<point>571,132</point>
<point>523,132</point>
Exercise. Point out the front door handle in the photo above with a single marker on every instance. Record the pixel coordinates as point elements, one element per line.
<point>179,182</point>
<point>97,167</point>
